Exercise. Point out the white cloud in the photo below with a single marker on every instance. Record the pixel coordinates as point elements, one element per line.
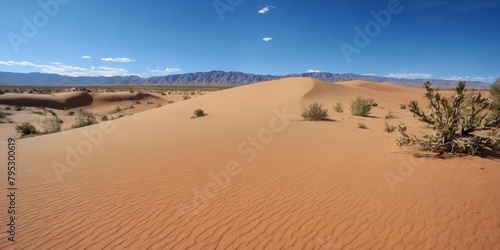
<point>86,57</point>
<point>165,71</point>
<point>467,78</point>
<point>313,71</point>
<point>267,39</point>
<point>118,59</point>
<point>409,75</point>
<point>74,71</point>
<point>266,9</point>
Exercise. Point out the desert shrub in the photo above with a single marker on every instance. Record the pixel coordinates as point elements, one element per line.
<point>374,104</point>
<point>131,90</point>
<point>362,126</point>
<point>71,113</point>
<point>19,108</point>
<point>2,92</point>
<point>315,112</point>
<point>116,110</point>
<point>361,106</point>
<point>186,97</point>
<point>338,107</point>
<point>402,106</point>
<point>159,105</point>
<point>495,96</point>
<point>131,106</point>
<point>104,118</point>
<point>198,113</point>
<point>454,121</point>
<point>170,101</point>
<point>51,125</point>
<point>84,118</point>
<point>26,129</point>
<point>389,115</point>
<point>150,103</point>
<point>137,102</point>
<point>389,128</point>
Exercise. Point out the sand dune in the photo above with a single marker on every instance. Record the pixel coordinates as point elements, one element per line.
<point>253,175</point>
<point>71,100</point>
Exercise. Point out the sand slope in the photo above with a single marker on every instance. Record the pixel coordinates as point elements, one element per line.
<point>161,180</point>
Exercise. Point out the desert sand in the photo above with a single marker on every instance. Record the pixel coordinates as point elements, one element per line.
<point>253,175</point>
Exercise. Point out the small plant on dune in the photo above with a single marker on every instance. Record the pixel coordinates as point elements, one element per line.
<point>186,97</point>
<point>116,110</point>
<point>402,106</point>
<point>51,125</point>
<point>361,106</point>
<point>137,102</point>
<point>104,118</point>
<point>26,129</point>
<point>150,103</point>
<point>131,106</point>
<point>71,113</point>
<point>338,107</point>
<point>198,113</point>
<point>362,126</point>
<point>84,118</point>
<point>374,104</point>
<point>455,121</point>
<point>389,128</point>
<point>389,115</point>
<point>315,112</point>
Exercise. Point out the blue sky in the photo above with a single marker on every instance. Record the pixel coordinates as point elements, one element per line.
<point>411,39</point>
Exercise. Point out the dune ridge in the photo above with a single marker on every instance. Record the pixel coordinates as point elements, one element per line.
<point>304,185</point>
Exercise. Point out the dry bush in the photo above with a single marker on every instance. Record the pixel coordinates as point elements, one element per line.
<point>315,112</point>
<point>361,106</point>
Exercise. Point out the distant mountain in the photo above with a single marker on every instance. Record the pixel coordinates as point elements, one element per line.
<point>213,78</point>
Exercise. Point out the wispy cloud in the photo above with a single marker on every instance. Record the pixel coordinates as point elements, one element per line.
<point>409,75</point>
<point>68,70</point>
<point>467,78</point>
<point>118,59</point>
<point>86,57</point>
<point>165,71</point>
<point>266,9</point>
<point>313,71</point>
<point>267,39</point>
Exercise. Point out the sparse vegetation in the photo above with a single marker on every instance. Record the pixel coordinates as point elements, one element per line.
<point>71,113</point>
<point>362,126</point>
<point>402,106</point>
<point>104,118</point>
<point>495,95</point>
<point>338,107</point>
<point>19,108</point>
<point>389,115</point>
<point>84,118</point>
<point>455,121</point>
<point>198,113</point>
<point>361,106</point>
<point>116,110</point>
<point>150,103</point>
<point>389,128</point>
<point>315,112</point>
<point>186,97</point>
<point>51,125</point>
<point>374,104</point>
<point>26,129</point>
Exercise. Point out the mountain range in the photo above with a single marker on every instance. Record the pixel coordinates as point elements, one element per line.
<point>212,78</point>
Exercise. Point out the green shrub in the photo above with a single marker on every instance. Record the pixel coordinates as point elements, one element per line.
<point>402,106</point>
<point>315,112</point>
<point>361,106</point>
<point>198,113</point>
<point>26,129</point>
<point>104,118</point>
<point>338,107</point>
<point>84,118</point>
<point>454,121</point>
<point>495,96</point>
<point>362,126</point>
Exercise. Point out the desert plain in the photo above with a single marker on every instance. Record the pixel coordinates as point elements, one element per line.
<point>251,174</point>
